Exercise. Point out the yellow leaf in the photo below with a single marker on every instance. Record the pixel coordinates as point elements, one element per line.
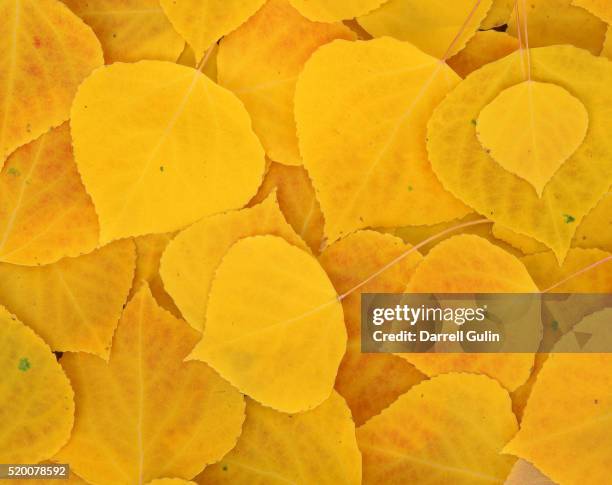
<point>600,8</point>
<point>469,172</point>
<point>203,22</point>
<point>130,30</point>
<point>326,11</point>
<point>147,413</point>
<point>520,395</point>
<point>45,53</point>
<point>274,325</point>
<point>73,304</point>
<point>438,27</point>
<point>595,231</point>
<point>483,48</point>
<point>361,112</point>
<point>447,430</point>
<point>149,250</point>
<point>313,447</point>
<point>297,201</point>
<point>471,264</point>
<point>260,62</point>
<point>554,22</point>
<point>566,427</point>
<point>607,48</point>
<point>73,479</point>
<point>36,400</point>
<point>45,213</point>
<point>525,244</point>
<point>369,382</point>
<point>171,481</point>
<point>499,14</point>
<point>531,129</point>
<point>153,132</point>
<point>546,271</point>
<point>188,264</point>
<point>524,473</point>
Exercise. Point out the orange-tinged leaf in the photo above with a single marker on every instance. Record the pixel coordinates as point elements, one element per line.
<point>499,14</point>
<point>203,22</point>
<point>189,263</point>
<point>520,395</point>
<point>148,413</point>
<point>130,30</point>
<point>554,22</point>
<point>297,201</point>
<point>73,304</point>
<point>260,62</point>
<point>369,382</point>
<point>152,132</point>
<point>600,8</point>
<point>149,250</point>
<point>531,129</point>
<point>274,325</point>
<point>607,47</point>
<point>565,431</point>
<point>36,400</point>
<point>316,446</point>
<point>471,264</point>
<point>485,47</point>
<point>361,112</point>
<point>45,53</point>
<point>171,481</point>
<point>45,213</point>
<point>469,172</point>
<point>449,429</point>
<point>326,11</point>
<point>438,27</point>
<point>546,271</point>
<point>524,473</point>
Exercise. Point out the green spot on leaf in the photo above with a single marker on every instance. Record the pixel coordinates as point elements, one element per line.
<point>224,468</point>
<point>24,364</point>
<point>555,325</point>
<point>568,218</point>
<point>13,171</point>
<point>410,188</point>
<point>474,122</point>
<point>161,169</point>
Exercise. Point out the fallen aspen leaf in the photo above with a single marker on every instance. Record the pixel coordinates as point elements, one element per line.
<point>499,14</point>
<point>554,22</point>
<point>531,129</point>
<point>155,143</point>
<point>469,172</point>
<point>189,263</point>
<point>74,304</point>
<point>36,400</point>
<point>453,428</point>
<point>560,439</point>
<point>369,382</point>
<point>297,201</point>
<point>599,8</point>
<point>123,410</point>
<point>326,11</point>
<point>524,473</point>
<point>46,52</point>
<point>171,481</point>
<point>130,30</point>
<point>45,213</point>
<point>361,112</point>
<point>316,446</point>
<point>274,325</point>
<point>204,22</point>
<point>255,64</point>
<point>437,27</point>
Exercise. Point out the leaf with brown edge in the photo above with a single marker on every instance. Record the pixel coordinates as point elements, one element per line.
<point>260,62</point>
<point>316,446</point>
<point>130,30</point>
<point>471,264</point>
<point>189,263</point>
<point>73,304</point>
<point>45,53</point>
<point>453,428</point>
<point>45,213</point>
<point>36,399</point>
<point>297,201</point>
<point>274,325</point>
<point>123,408</point>
<point>369,382</point>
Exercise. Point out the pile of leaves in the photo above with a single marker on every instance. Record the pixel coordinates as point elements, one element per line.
<point>195,193</point>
